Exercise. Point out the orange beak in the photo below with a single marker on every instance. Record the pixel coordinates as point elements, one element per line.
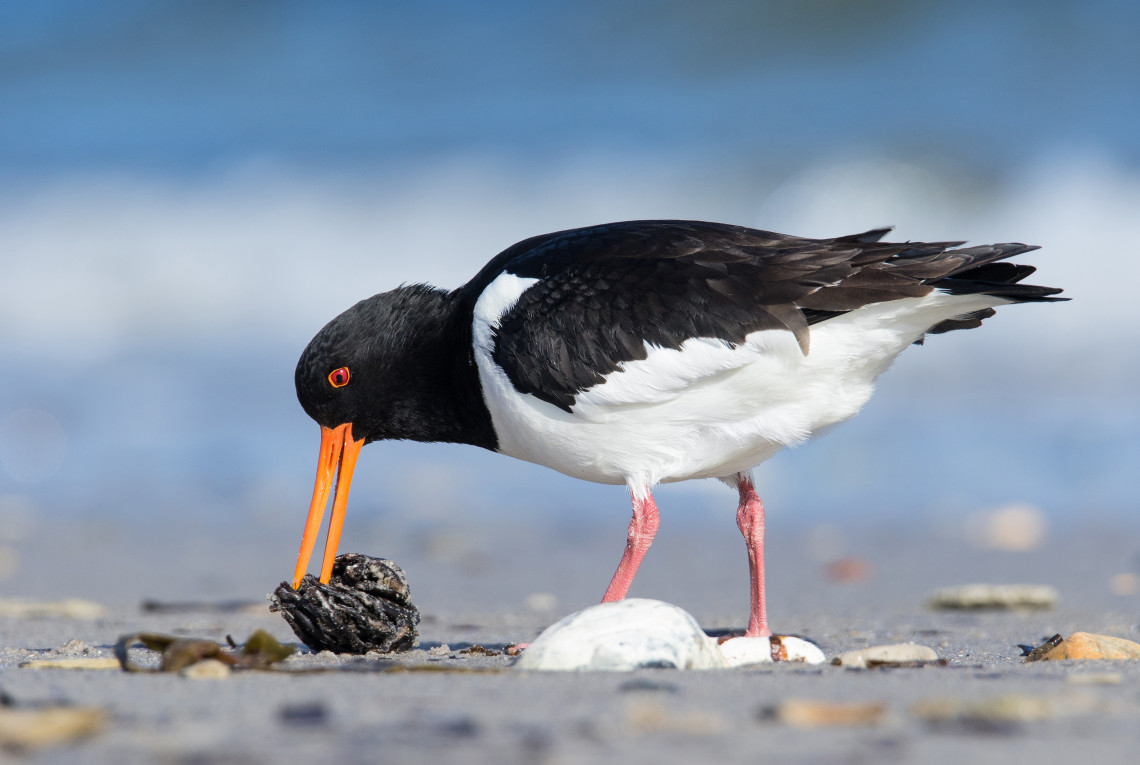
<point>337,449</point>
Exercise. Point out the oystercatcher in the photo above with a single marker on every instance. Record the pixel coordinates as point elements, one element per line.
<point>638,353</point>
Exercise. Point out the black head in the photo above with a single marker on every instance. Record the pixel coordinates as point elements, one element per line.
<point>397,365</point>
<point>379,365</point>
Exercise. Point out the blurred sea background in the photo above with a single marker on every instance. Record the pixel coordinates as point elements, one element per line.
<point>190,190</point>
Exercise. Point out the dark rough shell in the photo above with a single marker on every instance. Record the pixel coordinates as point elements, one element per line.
<point>366,606</point>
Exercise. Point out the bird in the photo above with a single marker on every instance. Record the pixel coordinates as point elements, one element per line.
<point>640,353</point>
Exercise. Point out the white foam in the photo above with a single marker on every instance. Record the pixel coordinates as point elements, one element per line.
<point>92,264</point>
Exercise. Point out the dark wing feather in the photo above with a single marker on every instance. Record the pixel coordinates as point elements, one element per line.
<point>606,291</point>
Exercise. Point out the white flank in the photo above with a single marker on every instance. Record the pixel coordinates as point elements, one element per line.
<point>706,409</point>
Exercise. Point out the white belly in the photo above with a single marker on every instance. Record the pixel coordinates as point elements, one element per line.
<point>705,410</point>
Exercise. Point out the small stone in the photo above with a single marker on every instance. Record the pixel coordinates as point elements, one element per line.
<point>1016,528</point>
<point>1085,645</point>
<point>644,684</point>
<point>994,596</point>
<point>886,655</point>
<point>70,609</point>
<point>629,634</point>
<point>541,602</point>
<point>987,713</point>
<point>1096,678</point>
<point>745,651</point>
<point>1124,584</point>
<point>207,669</point>
<point>366,606</point>
<point>33,728</point>
<point>85,662</point>
<point>648,716</point>
<point>848,570</point>
<point>439,650</point>
<point>803,713</point>
<point>307,713</point>
<point>74,647</point>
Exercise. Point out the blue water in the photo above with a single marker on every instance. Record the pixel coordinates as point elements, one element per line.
<point>191,189</point>
<point>188,86</point>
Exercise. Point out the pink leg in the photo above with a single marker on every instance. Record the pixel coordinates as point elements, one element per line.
<point>750,519</point>
<point>642,529</point>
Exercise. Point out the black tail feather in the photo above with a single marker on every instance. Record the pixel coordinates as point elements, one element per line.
<point>965,321</point>
<point>982,272</point>
<point>867,237</point>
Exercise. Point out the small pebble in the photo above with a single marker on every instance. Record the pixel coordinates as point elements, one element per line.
<point>1085,645</point>
<point>994,596</point>
<point>804,713</point>
<point>644,684</point>
<point>310,713</point>
<point>648,716</point>
<point>207,669</point>
<point>1016,528</point>
<point>746,651</point>
<point>439,650</point>
<point>71,609</point>
<point>1011,708</point>
<point>848,570</point>
<point>886,655</point>
<point>1124,584</point>
<point>85,662</point>
<point>73,647</point>
<point>22,729</point>
<point>541,602</point>
<point>1098,678</point>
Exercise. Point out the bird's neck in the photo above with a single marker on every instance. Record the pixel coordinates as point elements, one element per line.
<point>449,404</point>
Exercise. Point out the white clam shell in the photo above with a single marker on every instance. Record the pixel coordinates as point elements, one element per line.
<point>743,651</point>
<point>638,633</point>
<point>628,634</point>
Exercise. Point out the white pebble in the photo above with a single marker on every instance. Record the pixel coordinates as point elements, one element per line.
<point>207,669</point>
<point>743,651</point>
<point>880,655</point>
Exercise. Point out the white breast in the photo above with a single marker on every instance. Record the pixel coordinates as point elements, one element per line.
<point>706,409</point>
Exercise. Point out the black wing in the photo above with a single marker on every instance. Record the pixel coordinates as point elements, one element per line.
<point>606,291</point>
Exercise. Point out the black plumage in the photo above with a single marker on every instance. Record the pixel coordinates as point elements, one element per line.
<point>604,292</point>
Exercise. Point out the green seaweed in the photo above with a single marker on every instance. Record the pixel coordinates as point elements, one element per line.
<point>260,651</point>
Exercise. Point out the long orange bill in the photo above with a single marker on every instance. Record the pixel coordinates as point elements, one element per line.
<point>337,449</point>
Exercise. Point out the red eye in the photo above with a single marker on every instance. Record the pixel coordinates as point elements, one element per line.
<point>338,378</point>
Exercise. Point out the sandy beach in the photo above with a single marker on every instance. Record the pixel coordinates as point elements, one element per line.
<point>491,587</point>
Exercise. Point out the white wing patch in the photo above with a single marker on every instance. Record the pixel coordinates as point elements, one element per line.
<point>495,301</point>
